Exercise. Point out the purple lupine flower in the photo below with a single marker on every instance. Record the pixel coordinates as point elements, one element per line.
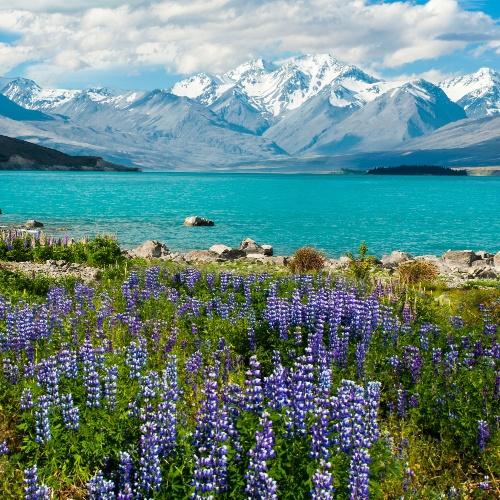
<point>483,434</point>
<point>253,383</point>
<point>100,489</point>
<point>359,471</point>
<point>32,489</point>
<point>125,475</point>
<point>166,415</point>
<point>110,386</point>
<point>26,399</point>
<point>275,387</point>
<point>322,481</point>
<point>4,449</point>
<point>70,412</point>
<point>258,482</point>
<point>149,475</point>
<point>43,433</point>
<point>48,378</point>
<point>320,433</point>
<point>372,397</point>
<point>210,437</point>
<point>402,403</point>
<point>301,392</point>
<point>67,363</point>
<point>136,358</point>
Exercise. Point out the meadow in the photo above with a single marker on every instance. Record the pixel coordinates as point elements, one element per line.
<point>164,381</point>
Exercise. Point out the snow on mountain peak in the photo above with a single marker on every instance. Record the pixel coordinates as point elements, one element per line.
<point>480,81</point>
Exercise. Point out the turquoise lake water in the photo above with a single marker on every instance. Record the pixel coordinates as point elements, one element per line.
<point>334,213</point>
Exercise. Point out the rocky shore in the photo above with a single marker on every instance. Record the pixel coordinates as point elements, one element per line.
<point>57,269</point>
<point>455,267</point>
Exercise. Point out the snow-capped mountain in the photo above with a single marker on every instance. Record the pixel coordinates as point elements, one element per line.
<point>477,93</point>
<point>309,106</point>
<point>271,88</point>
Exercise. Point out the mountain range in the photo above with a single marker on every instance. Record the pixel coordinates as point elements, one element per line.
<point>305,112</point>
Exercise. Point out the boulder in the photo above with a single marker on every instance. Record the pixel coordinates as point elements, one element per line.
<point>267,250</point>
<point>484,255</point>
<point>150,249</point>
<point>199,257</point>
<point>481,270</point>
<point>226,253</point>
<point>250,246</point>
<point>460,258</point>
<point>496,261</point>
<point>195,220</point>
<point>32,224</point>
<point>395,258</point>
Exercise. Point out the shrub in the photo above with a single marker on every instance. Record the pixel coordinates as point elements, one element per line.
<point>360,266</point>
<point>417,271</point>
<point>307,259</point>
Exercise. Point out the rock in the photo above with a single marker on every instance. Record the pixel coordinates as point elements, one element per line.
<point>226,253</point>
<point>32,224</point>
<point>459,258</point>
<point>259,257</point>
<point>481,270</point>
<point>150,249</point>
<point>484,255</point>
<point>268,250</point>
<point>395,258</point>
<point>496,261</point>
<point>195,220</point>
<point>250,246</point>
<point>199,257</point>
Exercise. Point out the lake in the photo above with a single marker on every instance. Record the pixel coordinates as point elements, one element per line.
<point>332,212</point>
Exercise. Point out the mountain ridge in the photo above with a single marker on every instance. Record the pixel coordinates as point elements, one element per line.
<point>308,106</point>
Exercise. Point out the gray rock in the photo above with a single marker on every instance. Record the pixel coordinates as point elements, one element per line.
<point>459,258</point>
<point>484,271</point>
<point>395,258</point>
<point>267,250</point>
<point>250,246</point>
<point>150,249</point>
<point>484,255</point>
<point>199,257</point>
<point>195,220</point>
<point>226,253</point>
<point>496,261</point>
<point>32,224</point>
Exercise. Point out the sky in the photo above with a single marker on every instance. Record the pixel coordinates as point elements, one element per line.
<point>145,44</point>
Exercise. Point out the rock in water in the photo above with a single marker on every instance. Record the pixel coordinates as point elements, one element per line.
<point>32,224</point>
<point>150,249</point>
<point>496,261</point>
<point>195,220</point>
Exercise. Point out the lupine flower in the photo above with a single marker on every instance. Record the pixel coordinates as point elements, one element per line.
<point>254,392</point>
<point>110,386</point>
<point>483,434</point>
<point>4,449</point>
<point>32,489</point>
<point>322,481</point>
<point>358,475</point>
<point>26,399</point>
<point>259,483</point>
<point>100,488</point>
<point>70,413</point>
<point>43,433</point>
<point>136,358</point>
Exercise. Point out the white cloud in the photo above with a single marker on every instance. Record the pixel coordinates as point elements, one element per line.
<point>195,35</point>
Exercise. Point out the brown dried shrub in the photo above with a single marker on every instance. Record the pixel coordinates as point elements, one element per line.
<point>417,271</point>
<point>307,259</point>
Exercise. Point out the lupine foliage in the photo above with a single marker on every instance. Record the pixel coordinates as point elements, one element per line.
<point>174,383</point>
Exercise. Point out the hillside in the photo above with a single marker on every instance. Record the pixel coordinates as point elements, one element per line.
<point>16,154</point>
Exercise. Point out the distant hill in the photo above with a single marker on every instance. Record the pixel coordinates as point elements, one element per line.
<point>416,170</point>
<point>16,154</point>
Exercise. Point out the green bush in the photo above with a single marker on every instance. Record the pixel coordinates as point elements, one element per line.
<point>362,265</point>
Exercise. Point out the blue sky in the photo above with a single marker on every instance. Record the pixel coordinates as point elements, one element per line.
<point>152,43</point>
